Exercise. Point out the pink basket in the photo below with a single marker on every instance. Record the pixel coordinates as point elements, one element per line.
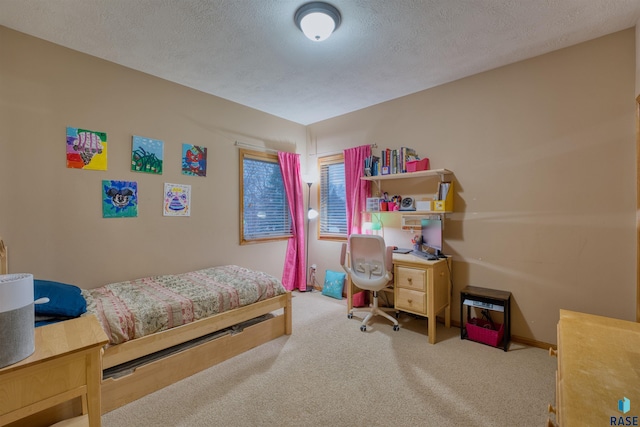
<point>480,330</point>
<point>359,299</point>
<point>418,165</point>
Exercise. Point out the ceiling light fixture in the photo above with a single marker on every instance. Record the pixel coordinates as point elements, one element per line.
<point>317,20</point>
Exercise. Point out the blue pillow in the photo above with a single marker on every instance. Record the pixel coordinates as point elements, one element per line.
<point>333,284</point>
<point>64,300</point>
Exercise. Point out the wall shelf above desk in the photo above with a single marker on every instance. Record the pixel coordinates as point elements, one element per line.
<point>443,203</point>
<point>403,213</point>
<point>420,174</point>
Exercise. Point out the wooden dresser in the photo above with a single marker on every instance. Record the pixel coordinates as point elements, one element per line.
<point>66,366</point>
<point>598,366</point>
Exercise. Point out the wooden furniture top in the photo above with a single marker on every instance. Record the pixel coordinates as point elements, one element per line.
<point>598,359</point>
<point>486,292</point>
<point>62,338</point>
<point>413,259</point>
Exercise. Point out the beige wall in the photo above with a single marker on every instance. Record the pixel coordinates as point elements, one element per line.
<point>543,153</point>
<point>51,217</point>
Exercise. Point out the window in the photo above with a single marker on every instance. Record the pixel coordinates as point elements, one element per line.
<point>333,200</point>
<point>264,211</point>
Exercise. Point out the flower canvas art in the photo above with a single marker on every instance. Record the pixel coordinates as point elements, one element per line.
<point>147,155</point>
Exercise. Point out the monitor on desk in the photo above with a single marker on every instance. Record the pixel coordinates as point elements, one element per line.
<point>432,235</point>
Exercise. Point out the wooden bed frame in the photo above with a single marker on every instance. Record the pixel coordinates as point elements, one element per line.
<point>178,365</point>
<point>167,370</point>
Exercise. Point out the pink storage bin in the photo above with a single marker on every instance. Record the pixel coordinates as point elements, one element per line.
<point>359,299</point>
<point>418,165</point>
<point>480,330</point>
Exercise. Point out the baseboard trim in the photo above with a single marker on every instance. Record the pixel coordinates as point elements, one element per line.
<point>517,338</point>
<point>532,343</point>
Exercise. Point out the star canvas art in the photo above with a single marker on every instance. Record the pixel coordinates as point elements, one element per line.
<point>177,200</point>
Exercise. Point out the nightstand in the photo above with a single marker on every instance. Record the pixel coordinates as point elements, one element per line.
<point>66,365</point>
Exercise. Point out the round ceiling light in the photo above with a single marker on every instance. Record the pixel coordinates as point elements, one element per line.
<point>317,20</point>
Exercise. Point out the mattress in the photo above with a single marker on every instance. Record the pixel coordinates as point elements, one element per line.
<point>132,309</point>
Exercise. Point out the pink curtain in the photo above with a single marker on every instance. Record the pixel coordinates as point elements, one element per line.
<point>357,190</point>
<point>294,272</point>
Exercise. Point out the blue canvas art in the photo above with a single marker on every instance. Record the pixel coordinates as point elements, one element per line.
<point>119,199</point>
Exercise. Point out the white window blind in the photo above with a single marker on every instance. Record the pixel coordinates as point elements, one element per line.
<point>265,209</point>
<point>333,204</point>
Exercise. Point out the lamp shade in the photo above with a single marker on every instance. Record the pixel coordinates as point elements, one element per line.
<point>317,26</point>
<point>317,20</point>
<point>309,178</point>
<point>17,317</point>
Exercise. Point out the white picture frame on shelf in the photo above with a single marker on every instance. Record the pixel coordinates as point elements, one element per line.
<point>373,204</point>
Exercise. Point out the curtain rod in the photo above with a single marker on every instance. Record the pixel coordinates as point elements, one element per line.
<point>255,147</point>
<point>331,153</point>
<point>271,150</point>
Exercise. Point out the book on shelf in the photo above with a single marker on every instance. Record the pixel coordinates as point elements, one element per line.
<point>393,161</point>
<point>443,190</point>
<point>372,166</point>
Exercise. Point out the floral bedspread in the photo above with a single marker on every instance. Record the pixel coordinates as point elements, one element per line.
<point>140,307</point>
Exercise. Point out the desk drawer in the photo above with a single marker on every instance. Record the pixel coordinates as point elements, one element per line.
<point>411,278</point>
<point>410,300</point>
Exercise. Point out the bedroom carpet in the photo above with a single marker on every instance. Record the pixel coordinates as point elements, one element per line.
<point>329,373</point>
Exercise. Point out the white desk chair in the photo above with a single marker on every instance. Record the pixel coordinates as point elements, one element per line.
<point>370,263</point>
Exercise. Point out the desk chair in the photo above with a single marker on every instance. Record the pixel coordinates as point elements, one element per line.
<point>370,263</point>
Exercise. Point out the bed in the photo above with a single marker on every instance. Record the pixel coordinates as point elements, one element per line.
<point>191,321</point>
<point>162,329</point>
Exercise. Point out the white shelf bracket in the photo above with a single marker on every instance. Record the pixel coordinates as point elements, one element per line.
<point>377,182</point>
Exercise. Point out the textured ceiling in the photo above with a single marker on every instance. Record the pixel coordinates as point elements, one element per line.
<point>251,52</point>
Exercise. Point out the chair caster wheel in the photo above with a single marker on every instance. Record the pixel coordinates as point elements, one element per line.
<point>397,314</point>
<point>363,328</point>
<point>350,316</point>
<point>396,327</point>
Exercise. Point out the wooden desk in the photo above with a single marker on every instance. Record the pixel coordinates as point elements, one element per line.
<point>66,365</point>
<point>421,287</point>
<point>598,360</point>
